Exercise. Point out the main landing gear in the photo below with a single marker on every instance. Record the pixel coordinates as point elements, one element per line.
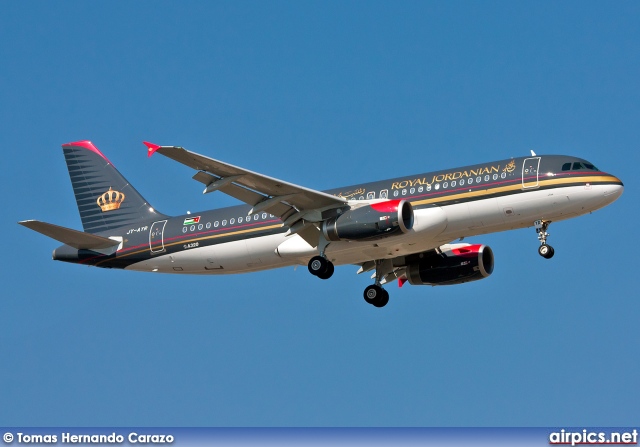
<point>376,295</point>
<point>321,267</point>
<point>545,250</point>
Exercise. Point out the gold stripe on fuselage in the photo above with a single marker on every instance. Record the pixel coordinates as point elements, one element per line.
<point>517,187</point>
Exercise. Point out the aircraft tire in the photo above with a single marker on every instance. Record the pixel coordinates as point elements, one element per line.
<point>329,273</point>
<point>383,300</point>
<point>318,265</point>
<point>546,251</point>
<point>376,296</point>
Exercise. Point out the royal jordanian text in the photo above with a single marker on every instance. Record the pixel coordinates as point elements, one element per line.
<point>113,438</point>
<point>451,176</point>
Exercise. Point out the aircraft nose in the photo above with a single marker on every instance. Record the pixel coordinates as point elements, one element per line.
<point>614,190</point>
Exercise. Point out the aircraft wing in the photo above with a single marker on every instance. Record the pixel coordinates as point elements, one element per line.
<point>292,203</point>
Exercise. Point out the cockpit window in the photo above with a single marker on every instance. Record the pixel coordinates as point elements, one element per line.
<point>577,166</point>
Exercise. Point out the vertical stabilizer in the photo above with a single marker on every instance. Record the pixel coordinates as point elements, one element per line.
<point>105,198</point>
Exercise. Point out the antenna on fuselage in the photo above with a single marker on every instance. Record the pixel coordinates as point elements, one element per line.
<point>533,154</point>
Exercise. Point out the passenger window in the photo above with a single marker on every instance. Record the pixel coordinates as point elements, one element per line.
<point>566,167</point>
<point>232,221</point>
<point>208,225</point>
<point>200,227</point>
<point>453,183</point>
<point>224,223</point>
<point>384,193</point>
<point>215,224</point>
<point>395,193</point>
<point>239,219</point>
<point>255,217</point>
<point>371,195</point>
<point>264,216</point>
<point>412,190</point>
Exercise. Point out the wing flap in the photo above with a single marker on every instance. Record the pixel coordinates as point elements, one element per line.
<point>73,238</point>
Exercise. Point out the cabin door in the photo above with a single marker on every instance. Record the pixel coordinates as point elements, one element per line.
<point>530,173</point>
<point>156,236</point>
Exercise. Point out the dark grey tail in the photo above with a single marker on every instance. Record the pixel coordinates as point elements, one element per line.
<point>105,198</point>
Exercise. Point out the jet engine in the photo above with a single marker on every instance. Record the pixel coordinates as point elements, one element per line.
<point>453,264</point>
<point>367,222</point>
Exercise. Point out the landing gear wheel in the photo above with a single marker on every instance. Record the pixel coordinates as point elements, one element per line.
<point>546,251</point>
<point>328,273</point>
<point>376,295</point>
<point>318,266</point>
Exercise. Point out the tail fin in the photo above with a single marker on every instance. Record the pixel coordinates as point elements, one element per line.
<point>105,198</point>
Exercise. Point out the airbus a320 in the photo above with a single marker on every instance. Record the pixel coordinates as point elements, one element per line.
<point>401,229</point>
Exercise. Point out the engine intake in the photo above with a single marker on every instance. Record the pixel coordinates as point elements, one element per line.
<point>375,221</point>
<point>456,264</point>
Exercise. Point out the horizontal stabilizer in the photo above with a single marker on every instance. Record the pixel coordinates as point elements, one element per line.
<point>74,238</point>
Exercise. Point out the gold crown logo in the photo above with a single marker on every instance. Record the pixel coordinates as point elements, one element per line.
<point>110,200</point>
<point>510,167</point>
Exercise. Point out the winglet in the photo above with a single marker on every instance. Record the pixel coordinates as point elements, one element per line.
<point>151,148</point>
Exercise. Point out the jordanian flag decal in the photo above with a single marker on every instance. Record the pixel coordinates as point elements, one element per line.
<point>191,220</point>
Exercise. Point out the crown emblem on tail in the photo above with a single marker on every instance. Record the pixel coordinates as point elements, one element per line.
<point>110,200</point>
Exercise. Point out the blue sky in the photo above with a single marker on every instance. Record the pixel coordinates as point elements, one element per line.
<point>321,94</point>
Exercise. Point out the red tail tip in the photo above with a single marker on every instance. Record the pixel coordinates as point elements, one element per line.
<point>151,148</point>
<point>87,145</point>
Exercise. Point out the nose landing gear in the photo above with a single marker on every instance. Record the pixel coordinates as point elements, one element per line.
<point>545,250</point>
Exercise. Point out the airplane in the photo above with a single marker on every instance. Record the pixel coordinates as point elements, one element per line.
<point>400,229</point>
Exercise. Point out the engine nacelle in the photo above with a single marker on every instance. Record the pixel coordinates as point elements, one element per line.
<point>456,264</point>
<point>374,221</point>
